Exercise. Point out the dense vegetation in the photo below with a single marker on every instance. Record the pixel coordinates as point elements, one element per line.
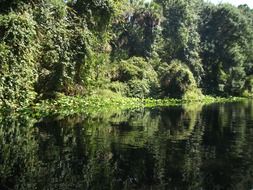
<point>178,49</point>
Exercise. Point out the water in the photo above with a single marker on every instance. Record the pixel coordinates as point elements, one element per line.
<point>187,147</point>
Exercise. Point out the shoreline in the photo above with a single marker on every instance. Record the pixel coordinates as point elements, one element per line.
<point>71,105</point>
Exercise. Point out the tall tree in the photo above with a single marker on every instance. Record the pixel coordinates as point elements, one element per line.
<point>135,31</point>
<point>97,13</point>
<point>180,33</point>
<point>226,38</point>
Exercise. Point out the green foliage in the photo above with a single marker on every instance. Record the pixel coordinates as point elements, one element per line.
<point>180,33</point>
<point>119,87</point>
<point>136,68</point>
<point>123,48</point>
<point>135,31</point>
<point>177,81</point>
<point>248,85</point>
<point>104,101</point>
<point>129,70</point>
<point>18,59</point>
<point>97,13</point>
<point>236,80</point>
<point>226,36</point>
<point>139,88</point>
<point>65,48</point>
<point>9,5</point>
<point>52,43</point>
<point>139,76</point>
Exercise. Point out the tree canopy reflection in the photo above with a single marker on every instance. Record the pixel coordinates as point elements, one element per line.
<point>184,147</point>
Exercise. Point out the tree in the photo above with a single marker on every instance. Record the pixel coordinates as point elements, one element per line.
<point>135,31</point>
<point>226,38</point>
<point>97,13</point>
<point>180,33</point>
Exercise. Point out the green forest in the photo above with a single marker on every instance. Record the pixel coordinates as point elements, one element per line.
<point>123,48</point>
<point>126,94</point>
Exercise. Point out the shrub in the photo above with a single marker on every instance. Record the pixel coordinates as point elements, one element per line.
<point>138,88</point>
<point>236,81</point>
<point>106,93</point>
<point>177,81</point>
<point>248,87</point>
<point>119,87</point>
<point>129,71</point>
<point>136,68</point>
<point>138,75</point>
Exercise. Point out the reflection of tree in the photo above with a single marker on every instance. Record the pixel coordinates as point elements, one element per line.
<point>179,127</point>
<point>179,122</point>
<point>18,144</point>
<point>230,138</point>
<point>188,147</point>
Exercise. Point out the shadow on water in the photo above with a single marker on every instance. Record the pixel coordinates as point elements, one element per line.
<point>184,147</point>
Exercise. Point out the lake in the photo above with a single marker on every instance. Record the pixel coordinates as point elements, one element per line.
<point>182,147</point>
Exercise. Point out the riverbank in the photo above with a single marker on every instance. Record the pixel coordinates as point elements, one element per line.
<point>70,105</point>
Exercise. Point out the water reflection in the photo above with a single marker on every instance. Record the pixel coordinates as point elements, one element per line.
<point>187,147</point>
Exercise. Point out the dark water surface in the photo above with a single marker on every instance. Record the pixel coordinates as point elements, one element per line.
<point>187,147</point>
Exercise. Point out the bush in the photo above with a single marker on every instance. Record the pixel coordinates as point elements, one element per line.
<point>129,71</point>
<point>138,88</point>
<point>138,75</point>
<point>136,68</point>
<point>119,87</point>
<point>193,94</point>
<point>177,81</point>
<point>236,81</point>
<point>248,87</point>
<point>106,93</point>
